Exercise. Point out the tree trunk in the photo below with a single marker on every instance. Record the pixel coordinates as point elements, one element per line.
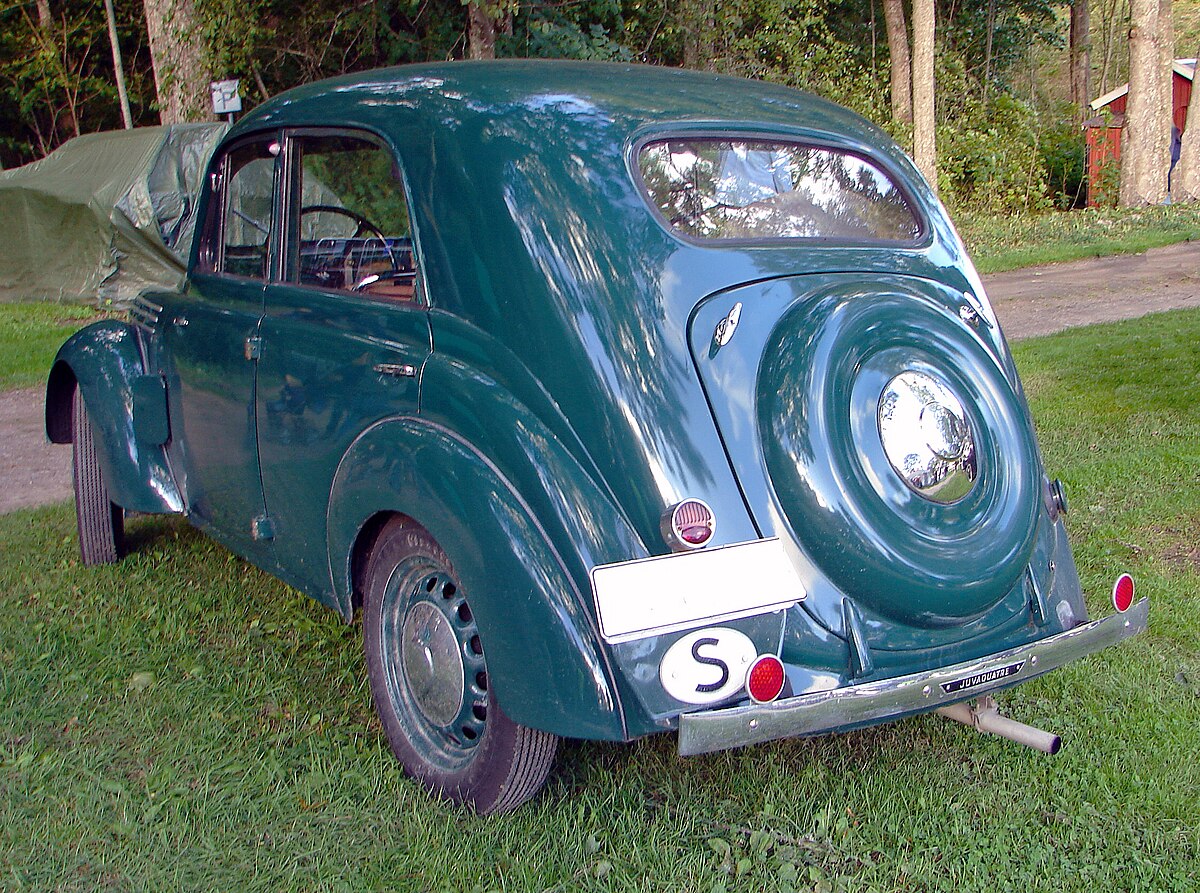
<point>118,65</point>
<point>987,49</point>
<point>698,25</point>
<point>481,33</point>
<point>1080,55</point>
<point>483,28</point>
<point>1146,136</point>
<point>56,58</point>
<point>897,32</point>
<point>1186,181</point>
<point>1166,67</point>
<point>1112,12</point>
<point>924,123</point>
<point>180,60</point>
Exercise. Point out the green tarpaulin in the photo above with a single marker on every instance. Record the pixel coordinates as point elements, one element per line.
<point>103,217</point>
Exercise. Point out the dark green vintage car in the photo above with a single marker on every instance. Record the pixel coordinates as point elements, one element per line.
<point>619,399</point>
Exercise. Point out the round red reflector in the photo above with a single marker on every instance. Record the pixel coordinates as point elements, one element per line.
<point>765,680</point>
<point>1123,593</point>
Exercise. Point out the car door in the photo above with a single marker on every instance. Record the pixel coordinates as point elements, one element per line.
<point>345,334</point>
<point>210,342</point>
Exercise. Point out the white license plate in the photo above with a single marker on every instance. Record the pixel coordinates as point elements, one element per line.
<point>652,596</point>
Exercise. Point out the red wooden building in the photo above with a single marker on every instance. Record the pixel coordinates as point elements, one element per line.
<point>1104,131</point>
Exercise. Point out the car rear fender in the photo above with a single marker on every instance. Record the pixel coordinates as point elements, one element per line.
<point>545,658</point>
<point>128,410</point>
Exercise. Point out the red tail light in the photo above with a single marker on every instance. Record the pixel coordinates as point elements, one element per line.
<point>688,525</point>
<point>764,682</point>
<point>1123,592</point>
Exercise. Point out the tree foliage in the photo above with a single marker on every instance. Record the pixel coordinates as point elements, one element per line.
<point>56,81</point>
<point>992,55</point>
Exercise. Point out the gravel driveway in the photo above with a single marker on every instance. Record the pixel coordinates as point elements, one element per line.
<point>1033,301</point>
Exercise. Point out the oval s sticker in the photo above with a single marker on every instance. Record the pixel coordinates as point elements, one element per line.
<point>707,666</point>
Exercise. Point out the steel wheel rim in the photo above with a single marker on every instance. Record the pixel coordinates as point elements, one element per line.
<point>434,669</point>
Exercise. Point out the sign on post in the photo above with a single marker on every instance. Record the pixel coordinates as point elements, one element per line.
<point>225,97</point>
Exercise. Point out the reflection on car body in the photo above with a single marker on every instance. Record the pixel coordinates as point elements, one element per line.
<point>619,400</point>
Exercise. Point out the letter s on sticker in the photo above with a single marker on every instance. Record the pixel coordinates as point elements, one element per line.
<point>705,687</point>
<point>707,665</point>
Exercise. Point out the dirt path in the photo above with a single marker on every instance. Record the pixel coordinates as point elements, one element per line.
<point>1034,301</point>
<point>1041,300</point>
<point>32,470</point>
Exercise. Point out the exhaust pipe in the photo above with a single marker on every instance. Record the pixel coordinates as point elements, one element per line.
<point>985,717</point>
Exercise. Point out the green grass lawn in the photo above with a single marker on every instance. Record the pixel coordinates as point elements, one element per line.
<point>30,334</point>
<point>182,721</point>
<point>999,243</point>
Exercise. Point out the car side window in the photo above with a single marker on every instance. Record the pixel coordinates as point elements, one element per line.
<point>350,229</point>
<point>247,209</point>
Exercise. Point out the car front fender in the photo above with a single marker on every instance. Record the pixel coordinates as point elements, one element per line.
<point>128,410</point>
<point>544,653</point>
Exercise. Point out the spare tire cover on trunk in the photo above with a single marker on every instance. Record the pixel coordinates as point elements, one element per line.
<point>824,352</point>
<point>824,371</point>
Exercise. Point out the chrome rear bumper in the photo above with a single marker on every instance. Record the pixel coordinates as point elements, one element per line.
<point>871,702</point>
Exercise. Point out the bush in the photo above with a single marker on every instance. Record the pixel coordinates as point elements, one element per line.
<point>1064,157</point>
<point>989,158</point>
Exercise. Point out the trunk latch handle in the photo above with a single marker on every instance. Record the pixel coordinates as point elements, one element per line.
<point>726,327</point>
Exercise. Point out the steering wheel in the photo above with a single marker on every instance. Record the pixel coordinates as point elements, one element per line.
<point>361,223</point>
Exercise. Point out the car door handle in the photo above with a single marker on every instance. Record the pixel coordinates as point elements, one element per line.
<point>399,370</point>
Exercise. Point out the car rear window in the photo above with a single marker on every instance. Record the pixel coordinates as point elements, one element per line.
<point>715,188</point>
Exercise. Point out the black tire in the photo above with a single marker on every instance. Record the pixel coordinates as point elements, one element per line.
<point>443,724</point>
<point>101,521</point>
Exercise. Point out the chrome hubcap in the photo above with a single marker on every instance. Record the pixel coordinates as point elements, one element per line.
<point>433,664</point>
<point>927,438</point>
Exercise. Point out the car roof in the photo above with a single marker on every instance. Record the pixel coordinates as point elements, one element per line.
<point>529,93</point>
